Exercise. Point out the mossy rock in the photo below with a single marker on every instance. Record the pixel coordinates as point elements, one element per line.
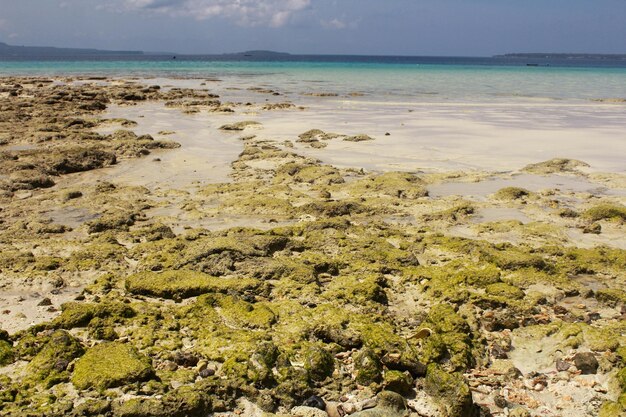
<point>6,353</point>
<point>507,291</point>
<point>318,362</point>
<point>451,392</point>
<point>111,365</point>
<point>186,401</point>
<point>239,313</point>
<point>401,185</point>
<point>511,193</point>
<point>555,166</point>
<point>357,290</point>
<point>611,409</point>
<point>368,367</point>
<point>76,314</point>
<point>607,211</point>
<point>611,296</point>
<point>184,284</point>
<point>50,365</point>
<point>450,341</point>
<point>396,381</point>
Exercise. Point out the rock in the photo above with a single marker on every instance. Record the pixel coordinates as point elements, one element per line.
<point>358,138</point>
<point>500,401</point>
<point>519,412</point>
<point>319,363</point>
<point>367,366</point>
<point>110,365</point>
<point>561,365</point>
<point>45,302</point>
<point>49,364</point>
<point>399,382</point>
<point>6,353</point>
<point>586,362</point>
<point>239,126</point>
<point>451,391</point>
<point>334,409</point>
<point>593,228</point>
<point>315,402</point>
<point>303,411</point>
<point>390,404</point>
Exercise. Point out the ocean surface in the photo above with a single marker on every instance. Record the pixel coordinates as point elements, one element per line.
<point>382,78</point>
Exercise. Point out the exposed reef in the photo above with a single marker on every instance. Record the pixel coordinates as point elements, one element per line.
<point>344,292</point>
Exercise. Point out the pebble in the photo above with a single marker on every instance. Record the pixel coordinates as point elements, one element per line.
<point>303,411</point>
<point>315,402</point>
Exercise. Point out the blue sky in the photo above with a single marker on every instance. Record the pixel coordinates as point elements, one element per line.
<point>380,27</point>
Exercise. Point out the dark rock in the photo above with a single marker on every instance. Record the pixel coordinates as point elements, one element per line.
<point>498,352</point>
<point>315,402</point>
<point>586,362</point>
<point>207,372</point>
<point>560,310</point>
<point>185,359</point>
<point>500,401</point>
<point>594,228</point>
<point>45,302</point>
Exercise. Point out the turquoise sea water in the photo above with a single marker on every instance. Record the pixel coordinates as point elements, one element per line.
<point>385,81</point>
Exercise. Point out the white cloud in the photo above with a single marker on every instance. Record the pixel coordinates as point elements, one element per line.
<point>334,24</point>
<point>274,13</point>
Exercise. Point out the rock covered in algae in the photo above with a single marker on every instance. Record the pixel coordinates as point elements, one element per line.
<point>50,365</point>
<point>110,365</point>
<point>451,392</point>
<point>183,284</point>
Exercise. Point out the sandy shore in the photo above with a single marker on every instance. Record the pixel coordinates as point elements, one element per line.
<point>245,251</point>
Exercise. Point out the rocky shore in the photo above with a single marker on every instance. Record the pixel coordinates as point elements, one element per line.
<point>323,291</point>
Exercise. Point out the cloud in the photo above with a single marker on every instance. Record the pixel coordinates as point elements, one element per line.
<point>273,13</point>
<point>334,24</point>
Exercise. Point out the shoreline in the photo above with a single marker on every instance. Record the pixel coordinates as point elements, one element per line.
<point>245,263</point>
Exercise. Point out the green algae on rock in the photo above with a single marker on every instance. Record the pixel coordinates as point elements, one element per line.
<point>50,365</point>
<point>606,211</point>
<point>555,166</point>
<point>110,365</point>
<point>184,284</point>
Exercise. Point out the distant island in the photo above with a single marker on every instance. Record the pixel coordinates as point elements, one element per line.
<point>538,55</point>
<point>49,51</point>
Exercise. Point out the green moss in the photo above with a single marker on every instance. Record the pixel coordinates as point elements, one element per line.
<point>184,284</point>
<point>368,367</point>
<point>391,184</point>
<point>6,353</point>
<point>186,401</point>
<point>242,313</point>
<point>555,166</point>
<point>450,390</point>
<point>450,342</point>
<point>611,409</point>
<point>49,365</point>
<point>400,382</point>
<point>611,296</point>
<point>512,258</point>
<point>310,174</point>
<point>76,314</point>
<point>110,365</point>
<point>607,211</point>
<point>507,291</point>
<point>357,290</point>
<point>261,362</point>
<point>318,362</point>
<point>511,193</point>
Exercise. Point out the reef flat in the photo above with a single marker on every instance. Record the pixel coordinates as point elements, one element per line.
<point>234,273</point>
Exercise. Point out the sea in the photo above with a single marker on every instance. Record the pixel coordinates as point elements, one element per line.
<point>439,79</point>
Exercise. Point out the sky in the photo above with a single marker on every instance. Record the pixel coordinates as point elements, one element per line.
<point>368,27</point>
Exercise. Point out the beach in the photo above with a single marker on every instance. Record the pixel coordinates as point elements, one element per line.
<point>299,244</point>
